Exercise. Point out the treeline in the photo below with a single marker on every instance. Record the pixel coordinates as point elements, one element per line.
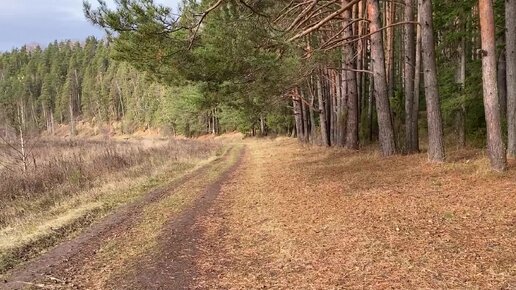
<point>67,82</point>
<point>335,73</point>
<point>405,72</point>
<point>355,71</point>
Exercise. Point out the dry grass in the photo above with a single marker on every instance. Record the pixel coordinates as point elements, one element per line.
<point>77,182</point>
<point>64,168</point>
<point>117,258</point>
<point>310,218</point>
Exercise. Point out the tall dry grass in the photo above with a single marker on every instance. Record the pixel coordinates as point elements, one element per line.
<point>60,169</point>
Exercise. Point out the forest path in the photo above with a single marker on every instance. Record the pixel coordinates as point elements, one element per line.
<point>284,216</point>
<point>305,217</point>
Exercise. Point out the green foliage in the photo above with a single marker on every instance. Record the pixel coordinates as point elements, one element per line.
<point>456,25</point>
<point>180,110</point>
<point>229,73</point>
<point>240,67</point>
<point>44,81</point>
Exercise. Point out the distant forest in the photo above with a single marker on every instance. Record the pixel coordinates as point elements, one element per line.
<point>67,82</point>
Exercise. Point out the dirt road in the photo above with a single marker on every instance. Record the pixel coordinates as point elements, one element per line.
<point>158,229</point>
<point>276,215</point>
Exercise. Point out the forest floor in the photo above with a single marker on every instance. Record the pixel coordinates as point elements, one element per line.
<point>275,214</point>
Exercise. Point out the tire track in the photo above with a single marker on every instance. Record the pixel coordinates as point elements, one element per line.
<point>172,264</point>
<point>67,259</point>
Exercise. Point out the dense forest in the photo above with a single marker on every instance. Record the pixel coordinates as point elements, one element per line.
<point>410,75</point>
<point>67,82</point>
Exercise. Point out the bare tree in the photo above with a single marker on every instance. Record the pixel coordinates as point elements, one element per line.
<point>16,144</point>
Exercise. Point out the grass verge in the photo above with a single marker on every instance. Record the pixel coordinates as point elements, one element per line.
<point>118,257</point>
<point>41,225</point>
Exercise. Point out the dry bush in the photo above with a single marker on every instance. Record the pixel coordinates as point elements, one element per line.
<point>64,168</point>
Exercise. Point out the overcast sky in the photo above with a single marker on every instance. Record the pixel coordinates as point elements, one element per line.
<point>43,21</point>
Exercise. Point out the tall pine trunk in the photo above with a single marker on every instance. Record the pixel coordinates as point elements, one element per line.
<point>328,95</point>
<point>417,79</point>
<point>460,115</point>
<point>502,84</point>
<point>304,108</point>
<point>312,117</point>
<point>510,58</point>
<point>340,125</point>
<point>433,110</point>
<point>411,143</point>
<point>386,132</point>
<point>370,110</point>
<point>389,15</point>
<point>298,117</point>
<point>495,146</point>
<point>322,113</point>
<point>349,76</point>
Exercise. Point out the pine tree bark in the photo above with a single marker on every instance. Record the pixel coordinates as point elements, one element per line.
<point>417,80</point>
<point>304,108</point>
<point>340,125</point>
<point>411,128</point>
<point>322,114</point>
<point>332,108</point>
<point>370,109</point>
<point>297,117</point>
<point>362,64</point>
<point>460,115</point>
<point>435,127</point>
<point>502,84</point>
<point>327,106</point>
<point>386,132</point>
<point>389,15</point>
<point>349,76</point>
<point>495,146</point>
<point>359,63</point>
<point>312,117</point>
<point>510,56</point>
